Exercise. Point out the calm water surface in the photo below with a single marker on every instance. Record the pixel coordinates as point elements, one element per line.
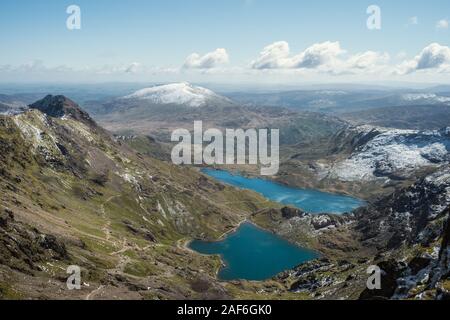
<point>254,254</point>
<point>309,200</point>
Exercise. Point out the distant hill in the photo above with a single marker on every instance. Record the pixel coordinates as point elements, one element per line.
<point>167,98</point>
<point>158,110</point>
<point>13,104</point>
<point>341,101</point>
<point>421,117</point>
<point>183,94</point>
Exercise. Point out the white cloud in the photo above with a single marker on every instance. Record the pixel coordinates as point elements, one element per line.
<point>275,61</point>
<point>434,56</point>
<point>133,68</point>
<point>325,57</point>
<point>401,55</point>
<point>367,61</point>
<point>208,61</point>
<point>274,56</point>
<point>278,56</point>
<point>319,54</point>
<point>442,24</point>
<point>35,66</point>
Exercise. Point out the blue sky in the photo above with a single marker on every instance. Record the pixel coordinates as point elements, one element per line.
<point>158,36</point>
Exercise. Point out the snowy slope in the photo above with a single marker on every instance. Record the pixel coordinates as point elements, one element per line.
<point>12,108</point>
<point>180,94</point>
<point>425,98</point>
<point>394,152</point>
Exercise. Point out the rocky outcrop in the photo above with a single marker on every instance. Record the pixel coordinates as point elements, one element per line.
<point>444,254</point>
<point>390,154</point>
<point>61,106</point>
<point>409,216</point>
<point>22,248</point>
<point>289,213</point>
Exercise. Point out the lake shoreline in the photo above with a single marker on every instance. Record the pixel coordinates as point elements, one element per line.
<point>184,245</point>
<point>241,256</point>
<point>247,173</point>
<point>308,200</point>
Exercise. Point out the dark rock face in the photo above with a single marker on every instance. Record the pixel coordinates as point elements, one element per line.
<point>443,254</point>
<point>348,140</point>
<point>289,213</point>
<point>399,279</point>
<point>205,183</point>
<point>308,283</point>
<point>146,234</point>
<point>444,260</point>
<point>22,248</point>
<point>418,263</point>
<point>409,216</point>
<point>60,106</point>
<point>5,217</point>
<point>306,275</point>
<point>327,220</point>
<point>50,242</point>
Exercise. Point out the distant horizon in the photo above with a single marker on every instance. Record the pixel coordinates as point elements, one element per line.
<point>227,86</point>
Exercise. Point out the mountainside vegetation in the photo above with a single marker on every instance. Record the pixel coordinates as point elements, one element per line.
<point>72,193</point>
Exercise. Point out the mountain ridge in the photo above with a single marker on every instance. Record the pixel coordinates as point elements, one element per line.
<point>60,106</point>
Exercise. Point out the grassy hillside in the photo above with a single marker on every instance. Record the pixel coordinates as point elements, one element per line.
<point>120,215</point>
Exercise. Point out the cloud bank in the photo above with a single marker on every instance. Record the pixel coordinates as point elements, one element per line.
<point>275,62</point>
<point>326,57</point>
<point>433,57</point>
<point>278,56</point>
<point>210,60</point>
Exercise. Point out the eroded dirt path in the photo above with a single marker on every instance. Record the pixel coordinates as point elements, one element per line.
<point>107,227</point>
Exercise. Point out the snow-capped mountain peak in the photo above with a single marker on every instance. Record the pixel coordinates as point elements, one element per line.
<point>182,93</point>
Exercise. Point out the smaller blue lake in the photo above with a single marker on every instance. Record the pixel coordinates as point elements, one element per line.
<point>253,254</point>
<point>311,201</point>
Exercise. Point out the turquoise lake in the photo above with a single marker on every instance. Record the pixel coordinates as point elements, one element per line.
<point>251,253</point>
<point>311,201</point>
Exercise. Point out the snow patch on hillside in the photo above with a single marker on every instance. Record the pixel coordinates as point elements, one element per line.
<point>178,93</point>
<point>34,127</point>
<point>428,97</point>
<point>393,152</point>
<point>12,108</point>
